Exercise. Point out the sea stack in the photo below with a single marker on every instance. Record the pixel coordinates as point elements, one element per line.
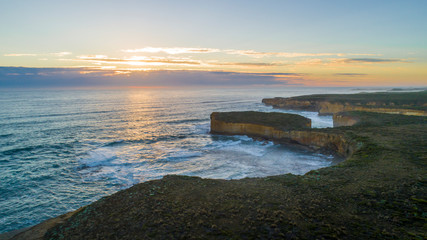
<point>259,124</point>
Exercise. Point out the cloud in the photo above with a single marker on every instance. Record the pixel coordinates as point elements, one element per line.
<point>256,54</point>
<point>311,62</point>
<point>20,77</point>
<point>371,60</point>
<point>260,74</point>
<point>61,54</point>
<point>249,64</point>
<point>139,60</point>
<point>339,61</point>
<point>143,60</point>
<point>20,55</point>
<point>350,74</point>
<point>253,53</point>
<point>58,54</point>
<point>281,74</point>
<point>172,50</point>
<point>249,53</point>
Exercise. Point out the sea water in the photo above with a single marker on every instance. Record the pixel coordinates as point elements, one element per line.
<point>62,149</point>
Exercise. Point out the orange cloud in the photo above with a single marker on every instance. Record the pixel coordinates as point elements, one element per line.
<point>250,53</point>
<point>139,60</point>
<point>172,50</point>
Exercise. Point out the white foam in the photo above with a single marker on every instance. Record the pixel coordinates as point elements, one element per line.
<point>99,157</point>
<point>254,150</point>
<point>170,152</point>
<point>200,128</point>
<point>184,154</point>
<point>242,144</point>
<point>317,121</point>
<point>221,144</point>
<point>204,155</point>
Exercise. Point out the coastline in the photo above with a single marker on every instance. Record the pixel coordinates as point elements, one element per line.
<point>37,231</point>
<point>369,180</point>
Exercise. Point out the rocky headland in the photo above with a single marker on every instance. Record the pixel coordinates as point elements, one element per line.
<point>393,103</point>
<point>378,192</point>
<point>281,128</point>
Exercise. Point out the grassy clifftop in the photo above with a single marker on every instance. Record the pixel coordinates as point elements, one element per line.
<point>272,119</point>
<point>415,100</point>
<point>365,119</point>
<point>380,192</point>
<point>414,103</point>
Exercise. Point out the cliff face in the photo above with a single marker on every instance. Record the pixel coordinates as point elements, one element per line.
<point>328,108</point>
<point>322,140</point>
<point>313,139</point>
<point>341,120</point>
<point>325,107</point>
<point>272,119</point>
<point>289,103</point>
<point>385,177</point>
<point>241,129</point>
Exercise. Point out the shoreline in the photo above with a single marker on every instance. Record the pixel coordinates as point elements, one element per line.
<point>370,182</point>
<point>37,231</point>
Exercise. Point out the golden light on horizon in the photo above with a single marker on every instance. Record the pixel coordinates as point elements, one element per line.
<point>309,69</point>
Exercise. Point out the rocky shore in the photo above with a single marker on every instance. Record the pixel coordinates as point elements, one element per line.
<point>282,128</point>
<point>378,192</point>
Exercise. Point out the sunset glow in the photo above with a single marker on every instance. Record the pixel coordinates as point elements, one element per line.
<point>335,44</point>
<point>196,119</point>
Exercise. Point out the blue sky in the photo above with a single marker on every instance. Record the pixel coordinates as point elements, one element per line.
<point>317,39</point>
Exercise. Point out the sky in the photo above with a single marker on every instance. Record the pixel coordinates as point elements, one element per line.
<point>212,43</point>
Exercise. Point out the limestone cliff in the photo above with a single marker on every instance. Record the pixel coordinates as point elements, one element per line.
<point>363,118</point>
<point>377,193</point>
<point>256,123</point>
<point>328,108</point>
<point>391,103</point>
<point>344,120</point>
<point>334,142</point>
<point>308,137</point>
<point>290,103</point>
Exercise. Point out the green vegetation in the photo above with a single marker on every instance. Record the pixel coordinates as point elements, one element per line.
<point>273,119</point>
<point>413,100</point>
<point>379,192</point>
<point>378,119</point>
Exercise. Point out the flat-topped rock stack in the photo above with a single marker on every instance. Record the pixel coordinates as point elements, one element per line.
<point>280,127</point>
<point>256,123</point>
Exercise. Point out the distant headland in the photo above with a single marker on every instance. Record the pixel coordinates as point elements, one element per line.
<point>413,103</point>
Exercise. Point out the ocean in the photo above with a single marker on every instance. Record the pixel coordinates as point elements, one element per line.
<point>63,149</point>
